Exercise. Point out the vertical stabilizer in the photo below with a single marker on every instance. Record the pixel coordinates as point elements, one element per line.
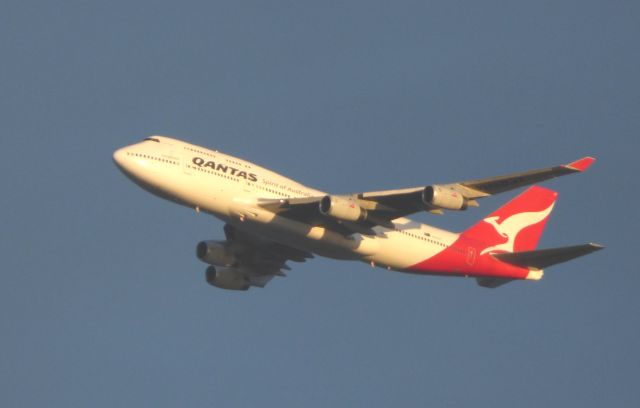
<point>517,225</point>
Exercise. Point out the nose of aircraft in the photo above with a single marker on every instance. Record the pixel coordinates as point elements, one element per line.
<point>119,158</point>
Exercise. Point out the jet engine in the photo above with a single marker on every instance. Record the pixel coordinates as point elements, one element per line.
<point>342,208</point>
<point>226,278</point>
<point>443,197</point>
<point>215,253</point>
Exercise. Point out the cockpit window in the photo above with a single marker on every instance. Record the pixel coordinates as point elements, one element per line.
<point>153,139</point>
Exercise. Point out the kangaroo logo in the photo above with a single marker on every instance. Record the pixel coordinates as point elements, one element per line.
<point>511,226</point>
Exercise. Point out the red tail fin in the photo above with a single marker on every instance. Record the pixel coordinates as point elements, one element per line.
<point>517,225</point>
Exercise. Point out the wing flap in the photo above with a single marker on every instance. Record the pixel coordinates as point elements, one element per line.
<point>259,259</point>
<point>263,249</point>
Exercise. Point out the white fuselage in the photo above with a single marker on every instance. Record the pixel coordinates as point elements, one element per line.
<point>229,188</point>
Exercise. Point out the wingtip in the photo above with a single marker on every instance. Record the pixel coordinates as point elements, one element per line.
<point>596,247</point>
<point>581,164</point>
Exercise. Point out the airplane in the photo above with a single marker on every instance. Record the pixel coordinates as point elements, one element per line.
<point>271,219</point>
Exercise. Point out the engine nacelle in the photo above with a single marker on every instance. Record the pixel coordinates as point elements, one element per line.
<point>215,253</point>
<point>226,278</point>
<point>443,197</point>
<point>342,208</point>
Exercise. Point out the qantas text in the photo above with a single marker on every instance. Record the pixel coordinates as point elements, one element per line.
<point>200,162</point>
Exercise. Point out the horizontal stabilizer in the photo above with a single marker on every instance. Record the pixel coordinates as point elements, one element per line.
<point>543,258</point>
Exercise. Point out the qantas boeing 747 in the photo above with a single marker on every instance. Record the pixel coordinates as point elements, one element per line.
<point>270,219</point>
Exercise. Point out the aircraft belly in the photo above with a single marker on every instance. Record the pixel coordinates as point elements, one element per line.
<point>208,196</point>
<point>315,239</point>
<point>398,251</point>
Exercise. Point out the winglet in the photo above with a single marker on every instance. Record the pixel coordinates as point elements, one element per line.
<point>582,164</point>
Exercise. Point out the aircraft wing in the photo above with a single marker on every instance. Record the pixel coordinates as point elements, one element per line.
<point>410,199</point>
<point>380,207</point>
<point>494,185</point>
<point>259,259</point>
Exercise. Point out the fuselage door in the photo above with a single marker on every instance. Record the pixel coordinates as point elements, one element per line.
<point>471,256</point>
<point>185,161</point>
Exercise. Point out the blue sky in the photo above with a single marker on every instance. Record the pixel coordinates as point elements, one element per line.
<point>104,304</point>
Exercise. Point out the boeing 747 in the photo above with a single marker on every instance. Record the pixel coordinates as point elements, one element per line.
<point>271,219</point>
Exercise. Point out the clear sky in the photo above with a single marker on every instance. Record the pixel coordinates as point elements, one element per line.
<point>104,304</point>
